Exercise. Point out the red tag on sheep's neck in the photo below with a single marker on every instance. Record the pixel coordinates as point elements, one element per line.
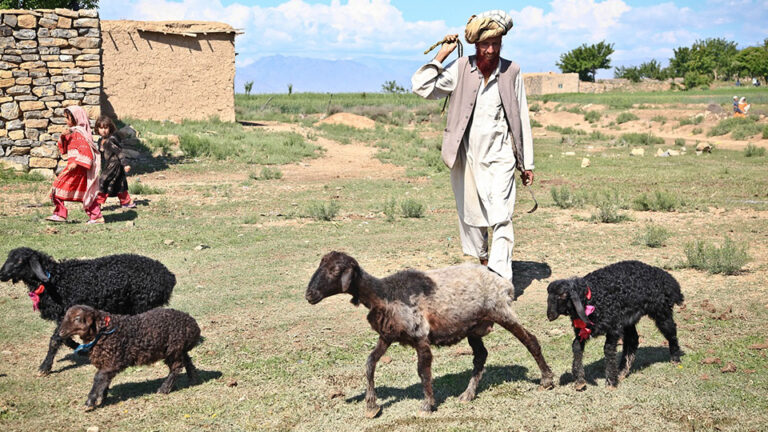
<point>35,296</point>
<point>107,320</point>
<point>589,293</point>
<point>584,332</point>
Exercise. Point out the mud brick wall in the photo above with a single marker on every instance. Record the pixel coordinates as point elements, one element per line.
<point>49,60</point>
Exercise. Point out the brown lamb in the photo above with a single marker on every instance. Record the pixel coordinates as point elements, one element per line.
<point>121,341</point>
<point>436,307</point>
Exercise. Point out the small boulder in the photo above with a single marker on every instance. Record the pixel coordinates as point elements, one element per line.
<point>637,152</point>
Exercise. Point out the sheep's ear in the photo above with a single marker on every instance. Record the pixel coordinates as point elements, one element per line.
<point>346,279</point>
<point>579,307</point>
<point>37,269</point>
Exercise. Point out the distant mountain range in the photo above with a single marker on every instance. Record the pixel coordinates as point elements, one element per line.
<point>273,74</point>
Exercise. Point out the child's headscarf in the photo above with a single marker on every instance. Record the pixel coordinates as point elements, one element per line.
<point>83,127</point>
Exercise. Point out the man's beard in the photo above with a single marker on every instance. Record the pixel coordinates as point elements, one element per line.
<point>486,65</point>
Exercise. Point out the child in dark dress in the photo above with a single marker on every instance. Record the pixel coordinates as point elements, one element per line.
<point>112,181</point>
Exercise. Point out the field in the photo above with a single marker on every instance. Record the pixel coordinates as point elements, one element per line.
<point>239,216</point>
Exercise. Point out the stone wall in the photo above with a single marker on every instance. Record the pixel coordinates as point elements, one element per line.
<point>168,70</point>
<point>622,84</point>
<point>549,82</point>
<point>49,59</point>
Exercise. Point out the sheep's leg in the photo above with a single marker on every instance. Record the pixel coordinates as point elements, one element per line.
<point>611,366</point>
<point>98,393</point>
<point>424,353</point>
<point>668,328</point>
<point>532,344</point>
<point>371,409</point>
<point>480,354</point>
<point>53,348</point>
<point>175,366</point>
<point>71,343</point>
<point>631,340</point>
<point>577,368</point>
<point>191,370</point>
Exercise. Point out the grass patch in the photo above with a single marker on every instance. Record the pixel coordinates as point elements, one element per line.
<point>267,173</point>
<point>697,131</point>
<point>565,130</point>
<point>599,136</point>
<point>739,127</point>
<point>659,201</point>
<point>639,138</point>
<point>659,119</point>
<point>9,176</point>
<point>564,198</point>
<point>680,142</point>
<point>593,116</point>
<point>626,117</point>
<point>754,151</point>
<point>323,211</point>
<point>412,208</point>
<point>765,132</point>
<point>536,123</point>
<point>728,259</point>
<point>697,119</point>
<point>139,188</point>
<point>389,209</point>
<point>653,236</point>
<point>607,205</point>
<point>534,107</point>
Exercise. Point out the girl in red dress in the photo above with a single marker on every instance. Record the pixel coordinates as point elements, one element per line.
<point>79,181</point>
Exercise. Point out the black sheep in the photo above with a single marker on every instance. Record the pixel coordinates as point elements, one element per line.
<point>115,342</point>
<point>123,284</point>
<point>610,301</point>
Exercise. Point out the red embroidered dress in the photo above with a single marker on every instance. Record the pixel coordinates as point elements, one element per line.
<point>73,181</point>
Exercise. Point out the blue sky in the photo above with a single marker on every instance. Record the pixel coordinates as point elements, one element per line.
<point>402,29</point>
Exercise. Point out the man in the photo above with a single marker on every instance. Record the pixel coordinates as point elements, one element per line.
<point>487,136</point>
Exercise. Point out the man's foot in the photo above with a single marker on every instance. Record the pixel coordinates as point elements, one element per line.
<point>130,205</point>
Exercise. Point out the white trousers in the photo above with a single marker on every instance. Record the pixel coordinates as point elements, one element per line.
<point>474,242</point>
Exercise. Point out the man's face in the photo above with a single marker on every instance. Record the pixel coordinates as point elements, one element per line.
<point>490,48</point>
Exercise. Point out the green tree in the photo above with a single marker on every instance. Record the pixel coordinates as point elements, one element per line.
<point>248,87</point>
<point>586,60</point>
<point>650,69</point>
<point>679,65</point>
<point>392,87</point>
<point>753,61</point>
<point>715,57</point>
<point>49,4</point>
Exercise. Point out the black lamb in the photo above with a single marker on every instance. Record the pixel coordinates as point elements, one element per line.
<point>123,284</point>
<point>115,342</point>
<point>610,301</point>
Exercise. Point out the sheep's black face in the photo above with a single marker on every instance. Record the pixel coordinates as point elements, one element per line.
<point>558,299</point>
<point>18,266</point>
<point>332,277</point>
<point>79,321</point>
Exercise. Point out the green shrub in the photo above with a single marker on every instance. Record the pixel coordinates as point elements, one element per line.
<point>412,208</point>
<point>251,219</point>
<point>9,175</point>
<point>659,201</point>
<point>728,259</point>
<point>659,119</point>
<point>696,131</point>
<point>680,142</point>
<point>535,123</point>
<point>753,150</point>
<point>321,211</point>
<point>592,116</point>
<point>565,131</point>
<point>599,136</point>
<point>389,209</point>
<point>765,132</point>
<point>653,236</point>
<point>575,110</point>
<point>625,117</point>
<point>697,119</point>
<point>534,107</point>
<point>268,173</point>
<point>138,188</point>
<point>739,127</point>
<point>194,146</point>
<point>693,80</point>
<point>564,198</point>
<point>608,204</point>
<point>637,138</point>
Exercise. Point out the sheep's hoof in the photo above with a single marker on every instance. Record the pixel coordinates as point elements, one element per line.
<point>42,373</point>
<point>546,383</point>
<point>89,407</point>
<point>467,396</point>
<point>425,413</point>
<point>611,386</point>
<point>580,386</point>
<point>372,412</point>
<point>427,408</point>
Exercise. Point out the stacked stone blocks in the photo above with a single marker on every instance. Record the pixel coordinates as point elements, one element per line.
<point>49,60</point>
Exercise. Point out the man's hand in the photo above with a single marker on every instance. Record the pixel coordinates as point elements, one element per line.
<point>127,168</point>
<point>527,177</point>
<point>449,44</point>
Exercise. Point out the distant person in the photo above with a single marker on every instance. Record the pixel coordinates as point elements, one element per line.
<point>112,181</point>
<point>736,106</point>
<point>738,82</point>
<point>487,135</point>
<point>755,82</point>
<point>744,106</point>
<point>79,181</point>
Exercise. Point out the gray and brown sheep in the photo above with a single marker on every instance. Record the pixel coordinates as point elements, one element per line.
<point>119,341</point>
<point>610,301</point>
<point>436,307</point>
